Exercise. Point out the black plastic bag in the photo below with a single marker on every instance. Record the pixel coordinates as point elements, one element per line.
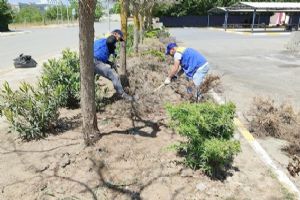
<point>24,61</point>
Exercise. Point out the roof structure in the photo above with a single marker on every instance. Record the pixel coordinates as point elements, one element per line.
<point>258,7</point>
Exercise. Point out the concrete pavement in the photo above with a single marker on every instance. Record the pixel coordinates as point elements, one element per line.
<point>250,65</point>
<point>41,43</point>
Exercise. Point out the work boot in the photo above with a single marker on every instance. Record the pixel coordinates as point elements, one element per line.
<point>127,97</point>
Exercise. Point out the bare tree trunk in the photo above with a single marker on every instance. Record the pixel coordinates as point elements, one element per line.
<point>136,23</point>
<point>142,25</point>
<point>124,16</point>
<point>87,84</point>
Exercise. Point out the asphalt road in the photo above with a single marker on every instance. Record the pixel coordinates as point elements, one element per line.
<point>250,65</point>
<point>44,42</point>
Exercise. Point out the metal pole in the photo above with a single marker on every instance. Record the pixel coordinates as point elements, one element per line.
<point>68,14</point>
<point>108,15</point>
<point>299,22</point>
<point>253,20</point>
<point>208,20</point>
<point>226,19</point>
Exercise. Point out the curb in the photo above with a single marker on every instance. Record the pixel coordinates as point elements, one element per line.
<point>251,34</point>
<point>6,34</point>
<point>263,155</point>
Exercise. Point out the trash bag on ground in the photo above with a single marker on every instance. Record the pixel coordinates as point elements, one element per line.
<point>24,61</point>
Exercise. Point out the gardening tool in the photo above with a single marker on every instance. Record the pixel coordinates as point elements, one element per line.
<point>158,88</point>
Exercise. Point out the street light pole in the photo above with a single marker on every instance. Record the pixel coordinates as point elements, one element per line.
<point>68,14</point>
<point>108,15</point>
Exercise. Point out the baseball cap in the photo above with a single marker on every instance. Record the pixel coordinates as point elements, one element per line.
<point>120,33</point>
<point>169,47</point>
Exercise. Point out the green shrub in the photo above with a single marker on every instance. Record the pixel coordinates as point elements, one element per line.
<point>207,120</point>
<point>157,33</point>
<point>65,72</point>
<point>155,53</point>
<point>34,112</point>
<point>31,112</point>
<point>116,9</point>
<point>206,126</point>
<point>29,14</point>
<point>217,153</point>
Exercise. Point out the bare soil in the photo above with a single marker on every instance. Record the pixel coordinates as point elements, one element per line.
<point>130,160</point>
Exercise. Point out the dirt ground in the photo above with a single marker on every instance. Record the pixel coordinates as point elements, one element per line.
<point>126,163</point>
<point>130,160</point>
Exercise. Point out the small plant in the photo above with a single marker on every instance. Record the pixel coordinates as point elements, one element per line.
<point>209,129</point>
<point>31,112</point>
<point>161,56</point>
<point>217,154</point>
<point>157,33</point>
<point>65,72</point>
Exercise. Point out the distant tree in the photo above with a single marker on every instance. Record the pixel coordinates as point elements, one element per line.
<point>196,7</point>
<point>5,15</point>
<point>98,11</point>
<point>29,14</point>
<point>116,9</point>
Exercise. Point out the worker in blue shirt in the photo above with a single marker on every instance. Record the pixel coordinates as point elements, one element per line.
<point>192,63</point>
<point>103,48</point>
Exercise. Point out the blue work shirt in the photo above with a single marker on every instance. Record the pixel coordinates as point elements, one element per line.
<point>101,51</point>
<point>191,60</point>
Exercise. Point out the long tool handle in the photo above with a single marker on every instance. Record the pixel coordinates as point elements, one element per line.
<point>162,85</point>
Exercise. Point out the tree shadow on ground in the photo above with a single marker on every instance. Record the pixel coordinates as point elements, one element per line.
<point>138,124</point>
<point>67,123</point>
<point>133,194</point>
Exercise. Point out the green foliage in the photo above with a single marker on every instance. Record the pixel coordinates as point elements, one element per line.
<point>155,53</point>
<point>51,13</point>
<point>5,15</point>
<point>29,14</point>
<point>157,33</point>
<point>31,112</point>
<point>197,7</point>
<point>217,154</point>
<point>98,11</point>
<point>34,112</point>
<point>209,129</point>
<point>208,119</point>
<point>129,41</point>
<point>64,72</point>
<point>116,9</point>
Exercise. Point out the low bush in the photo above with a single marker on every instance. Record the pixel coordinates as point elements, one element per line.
<point>157,33</point>
<point>158,54</point>
<point>209,129</point>
<point>65,72</point>
<point>31,112</point>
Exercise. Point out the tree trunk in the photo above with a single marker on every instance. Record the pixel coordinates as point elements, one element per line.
<point>142,25</point>
<point>87,84</point>
<point>124,16</point>
<point>136,29</point>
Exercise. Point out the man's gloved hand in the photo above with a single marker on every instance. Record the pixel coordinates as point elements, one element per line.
<point>174,78</point>
<point>167,81</point>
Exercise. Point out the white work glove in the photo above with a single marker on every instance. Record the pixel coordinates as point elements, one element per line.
<point>167,81</point>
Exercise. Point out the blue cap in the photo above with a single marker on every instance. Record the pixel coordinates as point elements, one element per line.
<point>119,32</point>
<point>169,47</point>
